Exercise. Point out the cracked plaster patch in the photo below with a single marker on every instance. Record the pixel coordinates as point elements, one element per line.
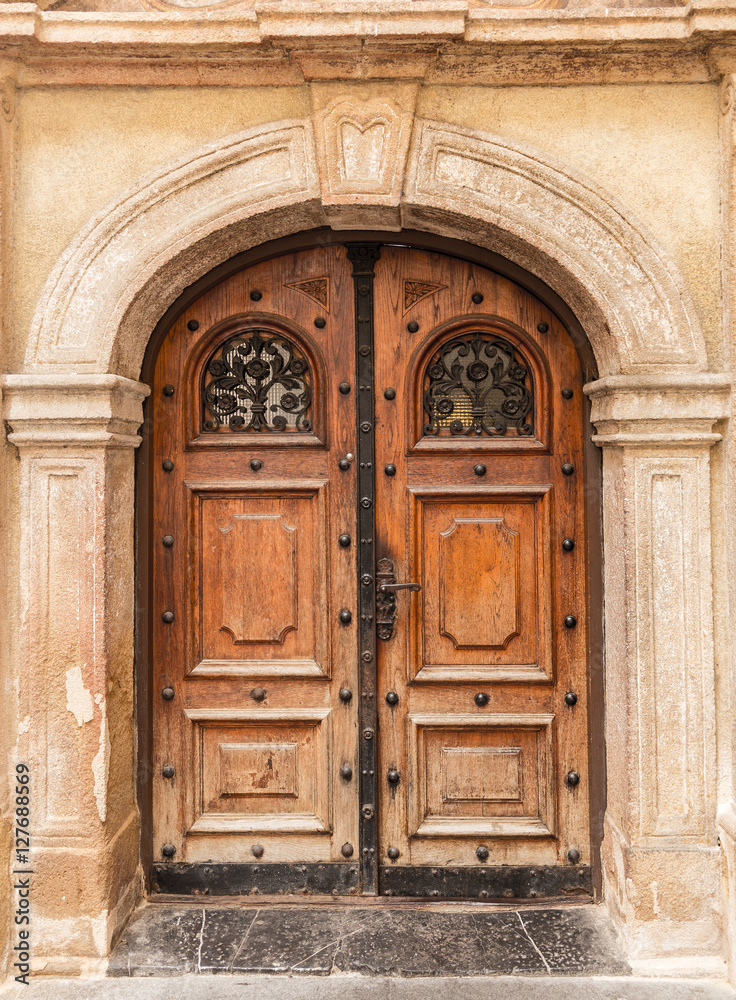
<point>78,697</point>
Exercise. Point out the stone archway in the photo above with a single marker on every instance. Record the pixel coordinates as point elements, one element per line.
<point>76,407</point>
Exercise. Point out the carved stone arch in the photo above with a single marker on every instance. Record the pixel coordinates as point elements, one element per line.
<point>133,260</point>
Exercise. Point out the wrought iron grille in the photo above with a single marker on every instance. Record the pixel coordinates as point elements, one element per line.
<point>478,384</point>
<point>257,383</point>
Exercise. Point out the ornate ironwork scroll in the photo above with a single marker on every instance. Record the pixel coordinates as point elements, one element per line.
<point>477,384</point>
<point>385,601</point>
<point>258,382</point>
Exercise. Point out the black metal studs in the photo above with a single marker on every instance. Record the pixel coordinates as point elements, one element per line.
<point>573,779</point>
<point>413,326</point>
<point>392,699</point>
<point>482,853</point>
<point>344,388</point>
<point>258,694</point>
<point>365,426</point>
<point>256,464</point>
<point>167,465</point>
<point>344,541</point>
<point>346,695</point>
<point>167,541</point>
<point>168,850</point>
<point>543,327</point>
<point>192,325</point>
<point>346,772</point>
<point>476,298</point>
<point>390,470</point>
<point>479,469</point>
<point>393,777</point>
<point>168,390</point>
<point>481,699</point>
<point>168,771</point>
<point>567,469</point>
<point>573,855</point>
<point>167,617</point>
<point>343,465</point>
<point>347,850</point>
<point>567,393</point>
<point>256,296</point>
<point>320,323</point>
<point>345,616</point>
<point>571,699</point>
<point>168,694</point>
<point>257,850</point>
<point>389,393</point>
<point>393,853</point>
<point>570,621</point>
<point>568,544</point>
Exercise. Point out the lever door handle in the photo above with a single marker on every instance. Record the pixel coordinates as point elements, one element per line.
<point>384,587</point>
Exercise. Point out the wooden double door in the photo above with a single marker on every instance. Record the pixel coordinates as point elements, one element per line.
<point>368,603</point>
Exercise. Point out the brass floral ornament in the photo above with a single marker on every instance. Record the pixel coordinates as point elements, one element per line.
<point>257,383</point>
<point>477,384</point>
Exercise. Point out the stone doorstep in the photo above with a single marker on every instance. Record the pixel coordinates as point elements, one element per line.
<point>351,987</point>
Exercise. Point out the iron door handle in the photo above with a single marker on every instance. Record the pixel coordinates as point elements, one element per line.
<point>384,587</point>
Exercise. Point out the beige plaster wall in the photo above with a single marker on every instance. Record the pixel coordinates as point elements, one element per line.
<point>654,147</point>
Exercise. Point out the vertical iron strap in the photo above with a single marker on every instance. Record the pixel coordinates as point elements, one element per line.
<point>363,257</point>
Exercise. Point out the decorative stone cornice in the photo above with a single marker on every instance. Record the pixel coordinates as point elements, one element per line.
<point>658,410</point>
<point>73,410</point>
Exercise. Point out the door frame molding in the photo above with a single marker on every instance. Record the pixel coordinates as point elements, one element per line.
<point>593,473</point>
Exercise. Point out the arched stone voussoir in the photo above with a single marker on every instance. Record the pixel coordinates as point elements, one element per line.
<point>124,269</point>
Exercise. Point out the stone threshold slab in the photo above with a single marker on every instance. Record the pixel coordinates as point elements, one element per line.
<point>173,939</point>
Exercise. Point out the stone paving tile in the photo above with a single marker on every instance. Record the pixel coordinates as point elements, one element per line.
<point>164,939</point>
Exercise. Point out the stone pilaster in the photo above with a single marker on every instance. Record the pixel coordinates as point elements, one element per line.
<point>660,851</point>
<point>75,437</point>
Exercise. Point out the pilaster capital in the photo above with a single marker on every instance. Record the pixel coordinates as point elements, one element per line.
<point>658,410</point>
<point>83,411</point>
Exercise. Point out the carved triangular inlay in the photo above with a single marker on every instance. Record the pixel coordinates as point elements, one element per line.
<point>415,291</point>
<point>317,289</point>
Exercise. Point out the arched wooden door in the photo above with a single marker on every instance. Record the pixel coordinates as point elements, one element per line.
<point>369,585</point>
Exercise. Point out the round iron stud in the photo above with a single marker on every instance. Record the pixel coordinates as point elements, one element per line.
<point>346,772</point>
<point>168,850</point>
<point>481,853</point>
<point>256,296</point>
<point>365,426</point>
<point>257,850</point>
<point>570,621</point>
<point>390,470</point>
<point>568,544</point>
<point>567,469</point>
<point>320,323</point>
<point>344,541</point>
<point>167,617</point>
<point>345,616</point>
<point>168,541</point>
<point>573,779</point>
<point>393,777</point>
<point>393,853</point>
<point>366,502</point>
<point>344,388</point>
<point>347,850</point>
<point>366,579</point>
<point>192,325</point>
<point>169,771</point>
<point>476,298</point>
<point>167,465</point>
<point>343,465</point>
<point>543,327</point>
<point>567,393</point>
<point>258,694</point>
<point>481,699</point>
<point>389,394</point>
<point>479,469</point>
<point>392,699</point>
<point>573,855</point>
<point>367,656</point>
<point>346,695</point>
<point>571,699</point>
<point>368,734</point>
<point>168,390</point>
<point>413,326</point>
<point>256,464</point>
